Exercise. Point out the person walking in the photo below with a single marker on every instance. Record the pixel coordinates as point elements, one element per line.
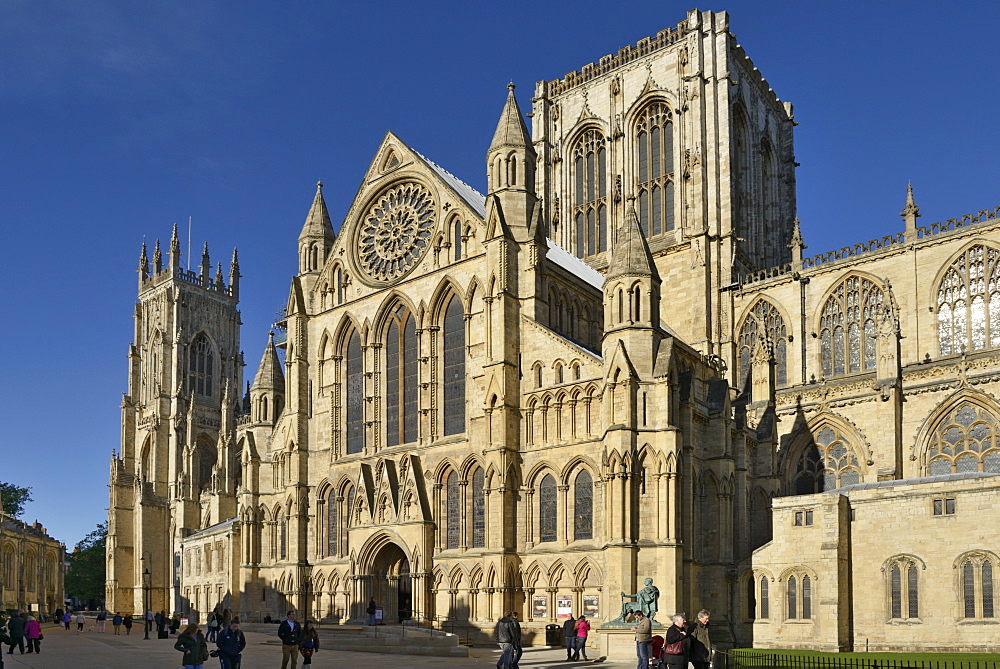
<point>582,631</point>
<point>149,620</point>
<point>213,626</point>
<point>80,621</point>
<point>289,632</point>
<point>503,634</point>
<point>102,616</point>
<point>676,643</point>
<point>33,634</point>
<point>309,642</point>
<point>701,641</point>
<point>231,643</point>
<point>116,622</point>
<point>192,643</point>
<point>643,633</point>
<point>67,618</point>
<point>518,648</point>
<point>128,623</point>
<point>15,626</point>
<point>569,636</point>
<point>372,608</point>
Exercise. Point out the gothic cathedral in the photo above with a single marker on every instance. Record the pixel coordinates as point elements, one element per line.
<point>617,364</point>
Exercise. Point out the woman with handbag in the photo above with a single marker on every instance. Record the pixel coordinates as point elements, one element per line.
<point>192,643</point>
<point>676,644</point>
<point>309,643</point>
<point>33,634</point>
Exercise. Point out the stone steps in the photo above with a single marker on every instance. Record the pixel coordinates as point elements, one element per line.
<point>388,639</point>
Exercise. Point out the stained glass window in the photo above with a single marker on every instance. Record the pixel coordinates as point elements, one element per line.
<point>331,523</point>
<point>583,498</point>
<point>201,365</point>
<point>764,320</point>
<point>401,379</point>
<point>453,510</point>
<point>764,603</point>
<point>896,592</point>
<point>969,302</point>
<point>848,327</point>
<point>655,169</point>
<point>793,597</point>
<point>966,440</point>
<point>355,395</point>
<point>806,597</point>
<point>987,581</point>
<point>827,462</point>
<point>456,243</point>
<point>969,589</point>
<point>912,591</point>
<point>454,368</point>
<point>478,510</point>
<point>348,513</point>
<point>547,509</point>
<point>590,201</point>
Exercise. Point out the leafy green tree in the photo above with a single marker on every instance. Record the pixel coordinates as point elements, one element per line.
<point>86,576</point>
<point>14,498</point>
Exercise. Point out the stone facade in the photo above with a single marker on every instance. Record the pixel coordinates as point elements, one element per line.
<point>615,364</point>
<point>32,568</point>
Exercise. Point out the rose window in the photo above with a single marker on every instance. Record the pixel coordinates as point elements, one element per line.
<point>395,232</point>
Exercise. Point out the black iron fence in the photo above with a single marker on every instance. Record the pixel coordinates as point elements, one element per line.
<point>745,659</point>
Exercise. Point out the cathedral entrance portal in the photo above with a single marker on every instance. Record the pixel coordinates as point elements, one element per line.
<point>391,585</point>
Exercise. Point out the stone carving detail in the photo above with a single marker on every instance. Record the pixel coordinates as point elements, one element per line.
<point>396,232</point>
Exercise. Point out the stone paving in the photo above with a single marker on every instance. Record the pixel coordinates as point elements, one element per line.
<point>89,650</point>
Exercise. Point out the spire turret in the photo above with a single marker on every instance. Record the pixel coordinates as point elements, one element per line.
<point>234,274</point>
<point>219,283</point>
<point>206,266</point>
<point>910,214</point>
<point>317,236</point>
<point>267,394</point>
<point>175,250</point>
<point>157,258</point>
<point>630,255</point>
<point>511,132</point>
<point>797,245</point>
<point>143,263</point>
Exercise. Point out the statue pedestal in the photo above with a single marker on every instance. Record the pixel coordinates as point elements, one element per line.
<point>616,641</point>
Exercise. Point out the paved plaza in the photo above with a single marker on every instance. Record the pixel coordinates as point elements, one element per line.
<point>89,650</point>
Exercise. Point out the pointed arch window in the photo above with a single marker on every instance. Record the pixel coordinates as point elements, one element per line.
<point>978,586</point>
<point>401,378</point>
<point>828,461</point>
<point>547,522</point>
<point>332,528</point>
<point>765,611</point>
<point>583,504</point>
<point>799,597</point>
<point>355,392</point>
<point>453,511</point>
<point>590,202</point>
<point>201,366</point>
<point>456,239</point>
<point>478,509</point>
<point>764,320</point>
<point>655,169</point>
<point>348,514</point>
<point>904,589</point>
<point>969,302</point>
<point>454,368</point>
<point>966,440</point>
<point>847,327</point>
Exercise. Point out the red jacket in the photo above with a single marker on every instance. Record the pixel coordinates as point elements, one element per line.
<point>32,630</point>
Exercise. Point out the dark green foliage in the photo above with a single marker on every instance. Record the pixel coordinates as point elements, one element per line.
<point>14,498</point>
<point>86,575</point>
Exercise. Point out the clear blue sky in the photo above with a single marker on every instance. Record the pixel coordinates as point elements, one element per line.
<point>121,117</point>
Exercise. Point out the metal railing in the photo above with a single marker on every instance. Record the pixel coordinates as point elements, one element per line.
<point>744,659</point>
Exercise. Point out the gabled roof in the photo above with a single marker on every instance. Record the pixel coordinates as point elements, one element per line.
<point>574,265</point>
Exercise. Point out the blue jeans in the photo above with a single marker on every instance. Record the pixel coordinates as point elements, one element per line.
<point>518,651</point>
<point>508,651</point>
<point>570,644</point>
<point>642,652</point>
<point>581,647</point>
<point>371,618</point>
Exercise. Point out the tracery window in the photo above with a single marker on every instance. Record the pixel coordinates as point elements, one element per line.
<point>847,327</point>
<point>764,601</point>
<point>547,509</point>
<point>332,528</point>
<point>454,368</point>
<point>401,379</point>
<point>799,597</point>
<point>201,363</point>
<point>348,514</point>
<point>456,235</point>
<point>453,511</point>
<point>969,302</point>
<point>764,320</point>
<point>478,509</point>
<point>827,462</point>
<point>978,587</point>
<point>904,589</point>
<point>583,505</point>
<point>655,153</point>
<point>355,392</point>
<point>757,601</point>
<point>590,211</point>
<point>966,440</point>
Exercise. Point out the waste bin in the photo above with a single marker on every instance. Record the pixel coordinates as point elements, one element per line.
<point>553,635</point>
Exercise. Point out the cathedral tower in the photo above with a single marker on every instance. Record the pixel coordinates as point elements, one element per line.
<point>176,470</point>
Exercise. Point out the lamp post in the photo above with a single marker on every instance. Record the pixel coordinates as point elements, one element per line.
<point>147,579</point>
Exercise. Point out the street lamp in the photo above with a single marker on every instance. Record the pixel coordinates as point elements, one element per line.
<point>147,579</point>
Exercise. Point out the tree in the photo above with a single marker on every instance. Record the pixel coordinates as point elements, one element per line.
<point>14,498</point>
<point>87,573</point>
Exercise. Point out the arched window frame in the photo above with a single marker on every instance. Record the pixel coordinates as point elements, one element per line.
<point>478,480</point>
<point>968,302</point>
<point>354,393</point>
<point>966,438</point>
<point>825,457</point>
<point>453,366</point>
<point>763,319</point>
<point>902,588</point>
<point>590,193</point>
<point>847,327</point>
<point>654,150</point>
<point>201,366</point>
<point>452,511</point>
<point>799,595</point>
<point>401,356</point>
<point>978,584</point>
<point>457,239</point>
<point>548,509</point>
<point>583,506</point>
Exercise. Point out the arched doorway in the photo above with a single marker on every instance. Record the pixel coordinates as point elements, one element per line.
<point>391,584</point>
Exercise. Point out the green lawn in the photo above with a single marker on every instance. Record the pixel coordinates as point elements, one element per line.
<point>900,659</point>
